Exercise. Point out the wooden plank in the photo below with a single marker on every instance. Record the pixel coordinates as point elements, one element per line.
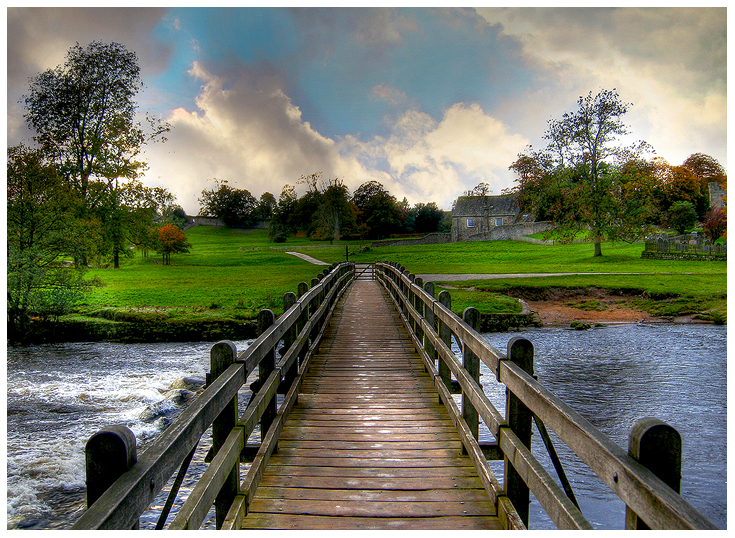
<point>439,483</point>
<point>382,495</point>
<point>368,445</point>
<point>289,521</point>
<point>377,509</point>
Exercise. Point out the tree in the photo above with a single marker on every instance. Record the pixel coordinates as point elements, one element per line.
<point>378,212</point>
<point>266,206</point>
<point>576,180</point>
<point>41,231</point>
<point>171,240</point>
<point>715,224</point>
<point>84,116</point>
<point>236,207</point>
<point>282,225</point>
<point>682,216</point>
<point>336,214</point>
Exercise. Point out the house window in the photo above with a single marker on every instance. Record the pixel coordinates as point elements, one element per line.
<point>470,223</point>
<point>498,221</point>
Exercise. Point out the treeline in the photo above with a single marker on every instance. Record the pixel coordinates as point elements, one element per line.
<point>326,211</point>
<point>583,181</point>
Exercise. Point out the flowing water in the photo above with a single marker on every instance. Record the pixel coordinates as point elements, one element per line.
<point>59,395</point>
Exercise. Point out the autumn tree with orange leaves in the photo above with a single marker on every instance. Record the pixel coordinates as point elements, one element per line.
<point>171,240</point>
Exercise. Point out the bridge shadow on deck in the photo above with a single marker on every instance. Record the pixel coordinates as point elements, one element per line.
<point>368,444</point>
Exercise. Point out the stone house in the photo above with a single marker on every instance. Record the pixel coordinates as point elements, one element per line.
<point>479,215</point>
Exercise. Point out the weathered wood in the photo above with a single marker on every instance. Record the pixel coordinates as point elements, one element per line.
<point>445,334</point>
<point>471,364</point>
<point>195,509</point>
<point>656,445</point>
<point>359,430</point>
<point>108,454</point>
<point>520,421</point>
<point>267,364</point>
<point>122,503</point>
<point>289,300</point>
<point>636,485</point>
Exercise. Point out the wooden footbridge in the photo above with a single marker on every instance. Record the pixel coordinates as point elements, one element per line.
<point>360,428</point>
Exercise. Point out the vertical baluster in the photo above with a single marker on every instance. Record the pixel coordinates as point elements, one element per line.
<point>221,356</point>
<point>520,420</point>
<point>471,364</point>
<point>445,334</point>
<point>265,367</point>
<point>289,299</point>
<point>431,322</point>
<point>655,444</point>
<point>108,454</point>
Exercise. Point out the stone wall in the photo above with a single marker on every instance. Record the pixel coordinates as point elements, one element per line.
<point>511,231</point>
<point>429,239</point>
<point>686,247</point>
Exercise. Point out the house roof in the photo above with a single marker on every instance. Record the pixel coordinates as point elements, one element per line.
<point>480,206</point>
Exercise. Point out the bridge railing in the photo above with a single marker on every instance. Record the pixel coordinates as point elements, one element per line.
<point>652,501</point>
<point>121,486</point>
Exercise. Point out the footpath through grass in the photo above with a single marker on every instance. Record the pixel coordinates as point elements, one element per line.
<point>232,274</point>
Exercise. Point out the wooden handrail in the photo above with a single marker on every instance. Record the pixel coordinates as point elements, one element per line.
<point>120,506</point>
<point>644,493</point>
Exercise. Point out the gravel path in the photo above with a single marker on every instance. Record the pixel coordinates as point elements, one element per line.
<point>490,276</point>
<point>307,258</point>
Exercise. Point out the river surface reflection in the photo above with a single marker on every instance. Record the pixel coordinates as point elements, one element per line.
<point>60,394</point>
<point>614,376</point>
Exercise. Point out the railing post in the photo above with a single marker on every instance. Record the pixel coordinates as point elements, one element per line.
<point>222,355</point>
<point>520,420</point>
<point>302,288</point>
<point>266,365</point>
<point>429,315</point>
<point>289,299</point>
<point>657,446</point>
<point>418,304</point>
<point>471,364</point>
<point>445,334</point>
<point>108,454</point>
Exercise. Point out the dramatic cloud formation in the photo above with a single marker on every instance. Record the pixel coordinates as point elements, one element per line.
<point>430,102</point>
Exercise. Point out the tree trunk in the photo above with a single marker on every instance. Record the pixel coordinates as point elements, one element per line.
<point>116,258</point>
<point>598,249</point>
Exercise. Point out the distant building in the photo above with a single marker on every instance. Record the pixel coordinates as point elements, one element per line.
<point>717,195</point>
<point>477,215</point>
<point>492,218</point>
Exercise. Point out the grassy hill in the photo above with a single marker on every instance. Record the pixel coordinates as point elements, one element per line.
<point>230,275</point>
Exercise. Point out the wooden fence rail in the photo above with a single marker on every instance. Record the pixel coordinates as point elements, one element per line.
<point>121,500</point>
<point>432,324</point>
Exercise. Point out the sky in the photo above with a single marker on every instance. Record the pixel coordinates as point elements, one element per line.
<point>427,101</point>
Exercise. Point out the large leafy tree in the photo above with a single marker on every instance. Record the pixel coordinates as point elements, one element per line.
<point>378,212</point>
<point>578,180</point>
<point>84,116</point>
<point>336,215</point>
<point>41,231</point>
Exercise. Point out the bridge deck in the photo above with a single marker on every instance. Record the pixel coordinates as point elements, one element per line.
<point>368,445</point>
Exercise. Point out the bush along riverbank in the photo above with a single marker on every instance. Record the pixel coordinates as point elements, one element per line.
<point>76,328</point>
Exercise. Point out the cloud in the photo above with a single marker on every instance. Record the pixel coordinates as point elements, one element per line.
<point>250,133</point>
<point>429,160</point>
<point>669,62</point>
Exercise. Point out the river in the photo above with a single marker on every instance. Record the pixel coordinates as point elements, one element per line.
<point>58,395</point>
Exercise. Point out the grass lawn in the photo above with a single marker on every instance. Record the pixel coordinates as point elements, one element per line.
<point>232,274</point>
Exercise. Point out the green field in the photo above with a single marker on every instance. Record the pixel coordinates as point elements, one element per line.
<point>232,274</point>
